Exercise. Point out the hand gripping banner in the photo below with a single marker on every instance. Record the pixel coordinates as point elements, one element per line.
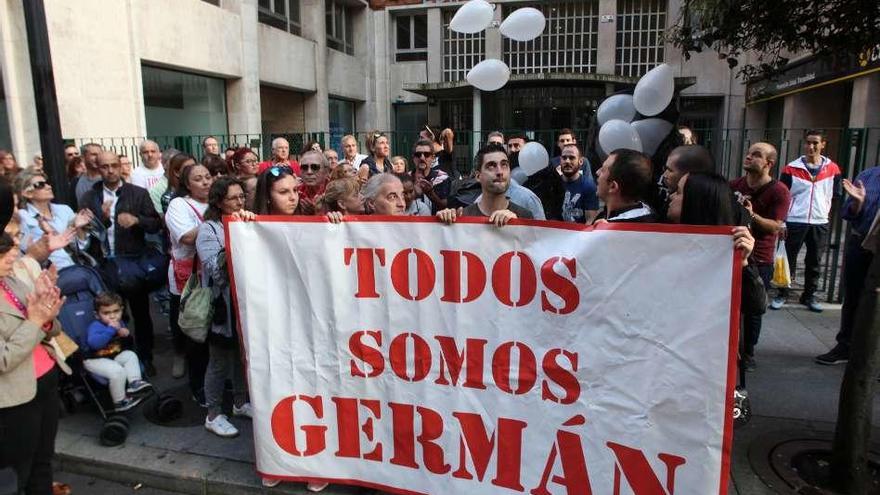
<point>538,358</point>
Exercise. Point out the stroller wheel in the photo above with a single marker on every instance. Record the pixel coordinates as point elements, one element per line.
<point>114,432</point>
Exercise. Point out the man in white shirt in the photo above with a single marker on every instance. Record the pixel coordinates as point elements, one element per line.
<point>350,150</point>
<point>151,170</point>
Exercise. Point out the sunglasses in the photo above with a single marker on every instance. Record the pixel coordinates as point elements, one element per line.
<point>37,185</point>
<point>314,167</point>
<point>423,154</point>
<point>280,169</point>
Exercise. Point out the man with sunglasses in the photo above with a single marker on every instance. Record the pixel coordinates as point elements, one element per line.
<point>433,183</point>
<point>314,167</point>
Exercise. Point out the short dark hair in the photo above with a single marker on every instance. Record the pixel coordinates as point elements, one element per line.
<point>489,148</point>
<point>816,132</point>
<point>217,194</point>
<point>423,142</point>
<point>693,158</point>
<point>215,165</point>
<point>575,146</point>
<point>404,178</point>
<point>108,298</point>
<point>564,131</point>
<point>6,243</point>
<point>518,135</point>
<point>633,173</point>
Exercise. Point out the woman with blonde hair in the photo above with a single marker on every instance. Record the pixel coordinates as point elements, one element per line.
<point>344,196</point>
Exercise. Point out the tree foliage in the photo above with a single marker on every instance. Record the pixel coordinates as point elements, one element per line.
<point>774,29</point>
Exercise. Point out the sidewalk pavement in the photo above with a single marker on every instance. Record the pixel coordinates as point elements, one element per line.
<point>789,393</point>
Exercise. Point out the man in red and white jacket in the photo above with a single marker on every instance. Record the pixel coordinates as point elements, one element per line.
<point>814,181</point>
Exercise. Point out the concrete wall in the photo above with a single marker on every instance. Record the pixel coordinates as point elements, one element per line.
<point>346,76</point>
<point>286,60</point>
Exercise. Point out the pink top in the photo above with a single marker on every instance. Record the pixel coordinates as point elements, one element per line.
<point>43,362</point>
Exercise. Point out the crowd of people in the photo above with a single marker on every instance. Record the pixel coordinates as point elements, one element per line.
<point>126,222</point>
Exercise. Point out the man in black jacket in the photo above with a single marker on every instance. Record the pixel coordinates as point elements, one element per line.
<point>123,214</point>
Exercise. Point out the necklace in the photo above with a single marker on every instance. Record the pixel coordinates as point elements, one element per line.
<point>12,297</point>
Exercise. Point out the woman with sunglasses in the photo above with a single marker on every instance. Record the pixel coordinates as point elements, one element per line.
<point>185,215</point>
<point>277,192</point>
<point>40,217</point>
<point>226,197</point>
<point>378,162</point>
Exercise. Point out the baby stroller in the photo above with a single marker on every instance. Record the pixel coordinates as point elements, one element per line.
<point>80,285</point>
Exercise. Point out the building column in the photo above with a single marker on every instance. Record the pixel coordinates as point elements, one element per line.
<point>17,83</point>
<point>478,118</point>
<point>243,111</point>
<point>314,27</point>
<point>493,36</point>
<point>865,101</point>
<point>435,45</point>
<point>607,37</point>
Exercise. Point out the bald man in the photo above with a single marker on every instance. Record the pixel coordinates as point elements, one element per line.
<point>124,213</point>
<point>280,157</point>
<point>151,170</point>
<point>767,201</point>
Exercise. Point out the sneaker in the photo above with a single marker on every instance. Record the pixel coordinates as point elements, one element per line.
<point>749,364</point>
<point>834,356</point>
<point>777,303</point>
<point>137,386</point>
<point>316,487</point>
<point>245,410</point>
<point>812,304</point>
<point>270,482</point>
<point>126,404</point>
<point>178,366</point>
<point>221,426</point>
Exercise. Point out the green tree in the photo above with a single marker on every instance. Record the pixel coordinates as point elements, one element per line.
<point>773,29</point>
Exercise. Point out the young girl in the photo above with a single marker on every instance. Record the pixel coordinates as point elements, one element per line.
<point>106,357</point>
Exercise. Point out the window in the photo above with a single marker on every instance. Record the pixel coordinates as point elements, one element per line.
<point>568,43</point>
<point>412,38</point>
<point>460,51</point>
<point>281,14</point>
<point>342,115</point>
<point>339,20</point>
<point>182,104</point>
<point>640,26</point>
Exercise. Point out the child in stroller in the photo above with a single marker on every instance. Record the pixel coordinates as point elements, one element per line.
<point>105,354</point>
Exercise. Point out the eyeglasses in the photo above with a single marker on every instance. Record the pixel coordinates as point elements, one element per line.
<point>238,197</point>
<point>314,167</point>
<point>423,154</point>
<point>37,185</point>
<point>280,169</point>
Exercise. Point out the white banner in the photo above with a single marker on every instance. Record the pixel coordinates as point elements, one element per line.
<point>538,358</point>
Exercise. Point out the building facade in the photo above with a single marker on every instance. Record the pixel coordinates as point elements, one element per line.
<point>256,68</point>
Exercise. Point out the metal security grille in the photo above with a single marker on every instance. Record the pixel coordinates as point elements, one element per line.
<point>460,51</point>
<point>640,26</point>
<point>568,43</point>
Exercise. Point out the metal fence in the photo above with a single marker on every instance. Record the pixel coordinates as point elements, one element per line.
<point>854,149</point>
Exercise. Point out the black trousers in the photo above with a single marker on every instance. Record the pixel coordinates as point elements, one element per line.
<point>139,303</point>
<point>196,353</point>
<point>27,437</point>
<point>856,262</point>
<point>752,323</point>
<point>816,238</point>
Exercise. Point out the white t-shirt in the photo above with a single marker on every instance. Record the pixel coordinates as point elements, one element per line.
<point>181,218</point>
<point>147,178</point>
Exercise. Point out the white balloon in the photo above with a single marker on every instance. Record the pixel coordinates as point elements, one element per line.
<point>652,132</point>
<point>654,90</point>
<point>616,134</point>
<point>489,75</point>
<point>533,158</point>
<point>519,175</point>
<point>616,107</point>
<point>472,17</point>
<point>524,24</point>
